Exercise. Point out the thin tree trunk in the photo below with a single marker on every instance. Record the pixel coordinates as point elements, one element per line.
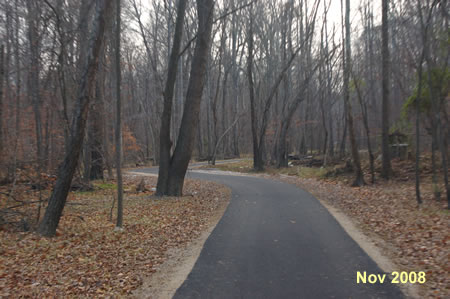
<point>213,159</point>
<point>18,84</point>
<point>119,221</point>
<point>2,75</point>
<point>343,146</point>
<point>386,159</point>
<point>359,177</point>
<point>282,146</point>
<point>258,163</point>
<point>33,76</point>
<point>444,154</point>
<point>58,198</point>
<point>366,128</point>
<point>97,132</point>
<point>435,122</point>
<point>417,166</point>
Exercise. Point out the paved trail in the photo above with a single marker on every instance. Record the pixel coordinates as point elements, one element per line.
<point>277,241</point>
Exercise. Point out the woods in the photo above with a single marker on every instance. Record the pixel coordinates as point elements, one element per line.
<point>84,92</point>
<point>109,108</point>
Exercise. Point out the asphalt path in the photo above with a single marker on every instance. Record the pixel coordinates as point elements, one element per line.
<point>277,241</point>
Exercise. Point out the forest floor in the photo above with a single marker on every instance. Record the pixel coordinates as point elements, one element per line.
<point>414,238</point>
<point>87,257</point>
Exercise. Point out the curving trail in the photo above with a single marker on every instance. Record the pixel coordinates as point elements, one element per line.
<point>277,241</point>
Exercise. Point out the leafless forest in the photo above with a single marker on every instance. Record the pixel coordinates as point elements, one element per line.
<point>86,87</point>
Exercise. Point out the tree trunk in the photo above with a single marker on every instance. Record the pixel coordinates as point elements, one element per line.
<point>417,166</point>
<point>189,122</point>
<point>359,177</point>
<point>33,75</point>
<point>58,198</point>
<point>214,154</point>
<point>97,137</point>
<point>118,135</point>
<point>258,163</point>
<point>363,106</point>
<point>235,79</point>
<point>165,142</point>
<point>282,146</point>
<point>386,159</point>
<point>18,83</point>
<point>2,75</point>
<point>331,142</point>
<point>435,120</point>
<point>86,154</point>
<point>444,154</point>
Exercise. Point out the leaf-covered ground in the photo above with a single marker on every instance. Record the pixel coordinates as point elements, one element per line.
<point>87,258</point>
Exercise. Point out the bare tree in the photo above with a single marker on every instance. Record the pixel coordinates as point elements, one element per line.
<point>386,159</point>
<point>56,203</point>
<point>188,129</point>
<point>33,9</point>
<point>165,142</point>
<point>359,177</point>
<point>119,221</point>
<point>259,125</point>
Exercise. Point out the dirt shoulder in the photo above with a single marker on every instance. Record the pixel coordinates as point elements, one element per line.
<point>180,260</point>
<point>89,259</point>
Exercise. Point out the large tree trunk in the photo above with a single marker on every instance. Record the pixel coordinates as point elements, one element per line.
<point>164,139</point>
<point>58,198</point>
<point>386,159</point>
<point>189,122</point>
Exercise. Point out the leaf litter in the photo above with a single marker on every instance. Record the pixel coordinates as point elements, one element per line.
<point>87,258</point>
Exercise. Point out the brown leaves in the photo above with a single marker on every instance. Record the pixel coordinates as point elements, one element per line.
<point>88,258</point>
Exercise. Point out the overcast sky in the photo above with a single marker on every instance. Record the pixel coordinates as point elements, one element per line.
<point>334,14</point>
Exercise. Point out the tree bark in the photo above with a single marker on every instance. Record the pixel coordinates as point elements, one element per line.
<point>58,198</point>
<point>97,132</point>
<point>363,106</point>
<point>258,163</point>
<point>165,142</point>
<point>18,83</point>
<point>359,177</point>
<point>118,135</point>
<point>386,159</point>
<point>2,75</point>
<point>189,122</point>
<point>33,75</point>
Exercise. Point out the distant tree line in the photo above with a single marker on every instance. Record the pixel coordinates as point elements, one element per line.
<point>208,79</point>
